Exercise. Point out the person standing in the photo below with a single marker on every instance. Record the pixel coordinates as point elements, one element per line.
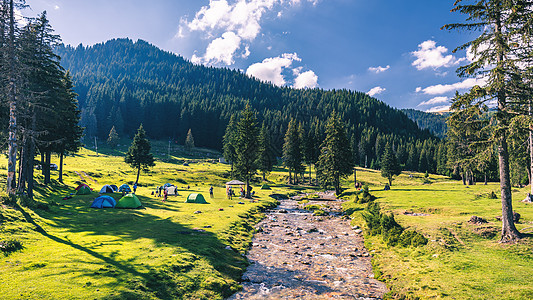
<point>165,195</point>
<point>211,191</point>
<point>135,187</point>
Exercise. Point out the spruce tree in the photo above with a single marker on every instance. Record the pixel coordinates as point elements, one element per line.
<point>292,151</point>
<point>138,155</point>
<point>501,23</point>
<point>266,155</point>
<point>389,164</point>
<point>335,160</point>
<point>246,147</point>
<point>112,139</point>
<point>189,141</point>
<point>228,142</point>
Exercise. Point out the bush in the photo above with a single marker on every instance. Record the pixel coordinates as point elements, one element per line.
<point>9,246</point>
<point>320,212</point>
<point>367,197</point>
<point>372,217</point>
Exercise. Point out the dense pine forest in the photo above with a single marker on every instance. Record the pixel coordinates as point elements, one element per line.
<point>435,123</point>
<point>122,83</point>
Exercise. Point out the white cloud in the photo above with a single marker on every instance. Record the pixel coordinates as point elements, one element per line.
<point>440,89</point>
<point>270,69</point>
<point>56,7</point>
<point>441,108</point>
<point>220,50</point>
<point>379,69</point>
<point>241,17</point>
<point>436,100</point>
<point>376,90</point>
<point>429,55</point>
<point>306,79</point>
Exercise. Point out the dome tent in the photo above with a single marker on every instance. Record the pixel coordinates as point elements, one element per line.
<point>124,188</point>
<point>265,187</point>
<point>114,187</point>
<point>129,201</point>
<point>104,202</point>
<point>196,198</point>
<point>82,185</point>
<point>84,190</point>
<point>107,189</point>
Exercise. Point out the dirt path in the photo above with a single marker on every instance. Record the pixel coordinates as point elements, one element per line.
<point>299,256</point>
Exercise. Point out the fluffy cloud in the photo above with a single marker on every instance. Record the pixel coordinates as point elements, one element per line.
<point>442,108</point>
<point>306,79</point>
<point>379,69</point>
<point>376,90</point>
<point>436,100</point>
<point>270,69</point>
<point>220,50</point>
<point>240,17</point>
<point>429,55</point>
<point>440,89</point>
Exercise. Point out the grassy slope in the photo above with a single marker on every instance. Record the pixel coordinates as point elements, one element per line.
<point>88,253</point>
<point>457,263</point>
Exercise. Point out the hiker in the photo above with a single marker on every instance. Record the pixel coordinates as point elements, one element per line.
<point>135,187</point>
<point>230,193</point>
<point>159,191</point>
<point>211,191</point>
<point>165,193</point>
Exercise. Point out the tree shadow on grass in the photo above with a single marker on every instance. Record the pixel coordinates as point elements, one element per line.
<point>132,225</point>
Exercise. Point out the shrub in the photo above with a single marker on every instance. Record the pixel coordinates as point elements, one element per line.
<point>366,196</point>
<point>9,246</point>
<point>372,217</point>
<point>320,212</point>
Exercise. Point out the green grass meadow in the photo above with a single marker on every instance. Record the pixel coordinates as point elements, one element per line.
<point>461,260</point>
<point>167,251</point>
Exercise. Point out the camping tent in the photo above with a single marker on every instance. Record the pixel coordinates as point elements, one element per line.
<point>114,187</point>
<point>234,182</point>
<point>124,188</point>
<point>129,201</point>
<point>172,191</point>
<point>81,185</point>
<point>103,202</point>
<point>84,190</point>
<point>265,187</point>
<point>195,198</point>
<point>166,185</point>
<point>106,189</point>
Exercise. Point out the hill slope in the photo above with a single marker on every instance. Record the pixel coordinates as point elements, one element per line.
<point>123,83</point>
<point>436,123</point>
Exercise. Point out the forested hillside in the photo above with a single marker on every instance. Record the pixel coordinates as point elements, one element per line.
<point>435,123</point>
<point>123,83</point>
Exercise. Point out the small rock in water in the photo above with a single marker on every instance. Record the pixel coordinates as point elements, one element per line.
<point>282,211</point>
<point>358,231</point>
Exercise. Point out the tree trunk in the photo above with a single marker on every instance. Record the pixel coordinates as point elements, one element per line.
<point>46,167</point>
<point>248,190</point>
<point>355,177</point>
<point>530,155</point>
<point>485,178</point>
<point>12,96</point>
<point>138,173</point>
<point>23,165</point>
<point>509,231</point>
<point>463,177</point>
<point>60,178</point>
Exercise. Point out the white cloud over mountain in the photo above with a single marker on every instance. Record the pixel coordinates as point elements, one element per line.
<point>440,89</point>
<point>376,90</point>
<point>436,100</point>
<point>230,26</point>
<point>429,55</point>
<point>272,70</point>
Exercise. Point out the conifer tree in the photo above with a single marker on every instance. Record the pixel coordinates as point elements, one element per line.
<point>112,139</point>
<point>138,155</point>
<point>292,151</point>
<point>189,141</point>
<point>246,147</point>
<point>389,164</point>
<point>266,155</point>
<point>229,141</point>
<point>335,160</point>
<point>501,23</point>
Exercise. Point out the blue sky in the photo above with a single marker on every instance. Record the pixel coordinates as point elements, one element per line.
<point>393,50</point>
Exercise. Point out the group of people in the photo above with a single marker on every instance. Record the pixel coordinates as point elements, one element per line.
<point>230,193</point>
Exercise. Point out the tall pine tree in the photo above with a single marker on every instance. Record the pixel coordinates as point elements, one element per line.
<point>138,155</point>
<point>246,147</point>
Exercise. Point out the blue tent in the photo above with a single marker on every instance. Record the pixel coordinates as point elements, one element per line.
<point>166,185</point>
<point>124,188</point>
<point>103,202</point>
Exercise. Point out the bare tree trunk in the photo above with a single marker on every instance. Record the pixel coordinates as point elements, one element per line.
<point>138,173</point>
<point>46,167</point>
<point>530,154</point>
<point>12,98</point>
<point>60,178</point>
<point>355,176</point>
